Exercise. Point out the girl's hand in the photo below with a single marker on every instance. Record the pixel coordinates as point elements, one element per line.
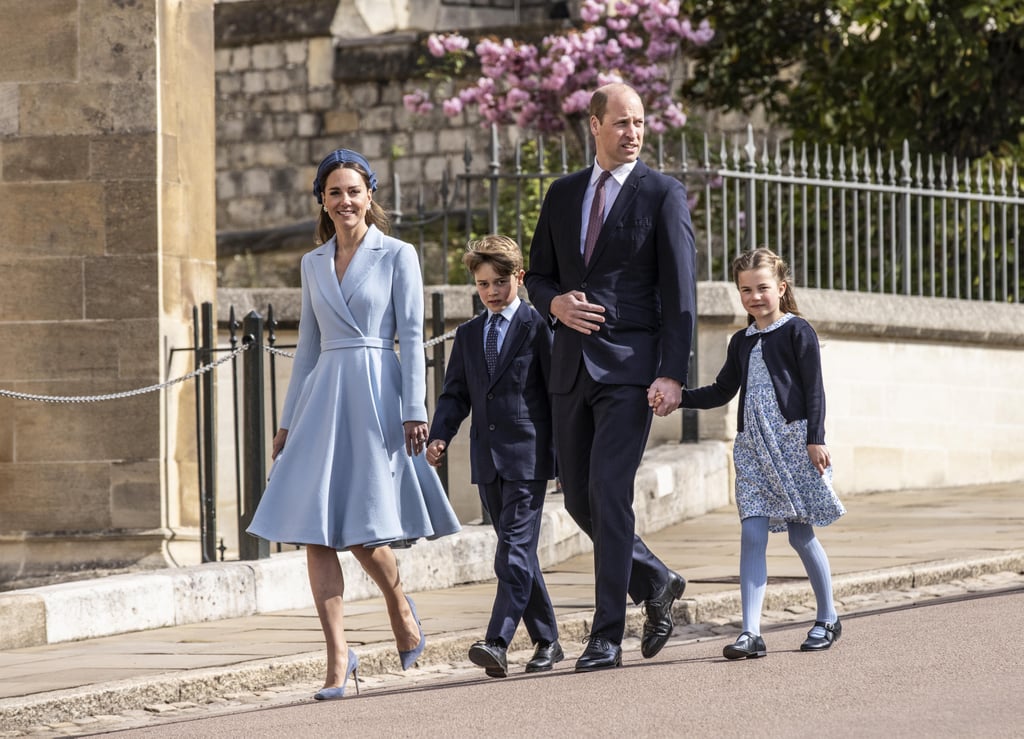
<point>278,444</point>
<point>435,451</point>
<point>415,437</point>
<point>820,457</point>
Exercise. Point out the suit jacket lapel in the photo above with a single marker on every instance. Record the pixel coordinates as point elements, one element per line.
<point>514,338</point>
<point>476,363</point>
<point>627,194</point>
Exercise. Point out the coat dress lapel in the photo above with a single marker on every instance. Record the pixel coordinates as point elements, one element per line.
<point>327,282</point>
<point>367,256</point>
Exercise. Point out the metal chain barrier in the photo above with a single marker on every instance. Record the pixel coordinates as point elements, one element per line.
<point>191,375</point>
<point>127,393</point>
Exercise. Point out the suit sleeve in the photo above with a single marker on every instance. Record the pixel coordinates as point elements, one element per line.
<point>407,297</point>
<point>454,404</point>
<point>725,386</point>
<point>677,282</point>
<point>543,279</point>
<point>307,351</point>
<point>808,358</point>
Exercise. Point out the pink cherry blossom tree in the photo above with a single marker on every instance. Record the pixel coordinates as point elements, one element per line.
<point>546,88</point>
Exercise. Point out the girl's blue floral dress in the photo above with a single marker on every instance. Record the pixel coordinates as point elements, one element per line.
<point>774,475</point>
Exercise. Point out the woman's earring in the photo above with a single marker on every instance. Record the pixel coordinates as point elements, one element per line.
<point>325,209</point>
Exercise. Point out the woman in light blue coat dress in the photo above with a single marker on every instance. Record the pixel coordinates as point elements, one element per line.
<point>348,468</point>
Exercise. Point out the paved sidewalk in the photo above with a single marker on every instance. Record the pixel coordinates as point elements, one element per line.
<point>888,541</point>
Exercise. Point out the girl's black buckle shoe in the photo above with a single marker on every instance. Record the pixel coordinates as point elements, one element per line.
<point>746,646</point>
<point>818,643</point>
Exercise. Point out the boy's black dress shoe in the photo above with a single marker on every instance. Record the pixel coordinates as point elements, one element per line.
<point>658,626</point>
<point>818,643</point>
<point>545,656</point>
<point>600,654</point>
<point>747,645</point>
<point>491,656</point>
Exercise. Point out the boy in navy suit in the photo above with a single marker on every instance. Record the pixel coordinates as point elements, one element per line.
<point>498,368</point>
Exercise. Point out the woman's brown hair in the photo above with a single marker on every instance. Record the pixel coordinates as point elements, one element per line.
<point>375,214</point>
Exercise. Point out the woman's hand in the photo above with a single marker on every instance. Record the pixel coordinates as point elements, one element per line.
<point>415,437</point>
<point>279,439</point>
<point>820,457</point>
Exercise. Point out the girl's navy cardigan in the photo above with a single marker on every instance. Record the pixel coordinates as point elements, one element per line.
<point>794,362</point>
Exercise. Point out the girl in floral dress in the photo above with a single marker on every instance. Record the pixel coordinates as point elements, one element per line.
<point>783,468</point>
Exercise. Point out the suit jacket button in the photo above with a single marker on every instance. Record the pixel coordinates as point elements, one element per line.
<point>491,427</point>
<point>583,286</point>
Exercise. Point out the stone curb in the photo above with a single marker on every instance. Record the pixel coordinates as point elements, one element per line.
<point>675,482</point>
<point>201,685</point>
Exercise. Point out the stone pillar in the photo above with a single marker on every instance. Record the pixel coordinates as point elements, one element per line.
<point>107,240</point>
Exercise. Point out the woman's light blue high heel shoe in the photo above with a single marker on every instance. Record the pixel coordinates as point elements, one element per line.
<point>332,694</point>
<point>410,656</point>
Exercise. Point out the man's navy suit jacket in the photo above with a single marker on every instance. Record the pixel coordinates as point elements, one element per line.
<point>642,271</point>
<point>510,431</point>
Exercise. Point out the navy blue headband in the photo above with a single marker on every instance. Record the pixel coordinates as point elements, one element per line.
<point>341,156</point>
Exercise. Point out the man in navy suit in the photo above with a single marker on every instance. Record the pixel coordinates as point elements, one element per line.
<point>498,368</point>
<point>612,267</point>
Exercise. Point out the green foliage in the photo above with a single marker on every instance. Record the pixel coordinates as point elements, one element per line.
<point>943,74</point>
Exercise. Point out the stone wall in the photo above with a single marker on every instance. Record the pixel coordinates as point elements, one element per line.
<point>921,392</point>
<point>294,83</point>
<point>106,240</point>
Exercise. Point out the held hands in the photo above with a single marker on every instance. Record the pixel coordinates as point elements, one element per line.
<point>415,437</point>
<point>820,457</point>
<point>573,310</point>
<point>435,451</point>
<point>664,395</point>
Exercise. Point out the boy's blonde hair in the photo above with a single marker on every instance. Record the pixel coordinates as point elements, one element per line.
<point>765,257</point>
<point>501,252</point>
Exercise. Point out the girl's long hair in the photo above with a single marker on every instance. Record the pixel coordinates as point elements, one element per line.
<point>375,214</point>
<point>765,257</point>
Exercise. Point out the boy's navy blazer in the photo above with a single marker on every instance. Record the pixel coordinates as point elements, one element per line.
<point>510,431</point>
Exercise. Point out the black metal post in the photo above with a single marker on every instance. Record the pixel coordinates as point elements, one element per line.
<point>691,428</point>
<point>438,365</point>
<point>271,341</point>
<point>197,359</point>
<point>254,457</point>
<point>209,492</point>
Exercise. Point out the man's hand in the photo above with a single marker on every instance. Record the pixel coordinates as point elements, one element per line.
<point>664,395</point>
<point>573,310</point>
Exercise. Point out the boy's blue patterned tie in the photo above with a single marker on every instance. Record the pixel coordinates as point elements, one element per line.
<point>491,342</point>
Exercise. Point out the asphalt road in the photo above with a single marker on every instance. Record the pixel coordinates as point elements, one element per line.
<point>946,668</point>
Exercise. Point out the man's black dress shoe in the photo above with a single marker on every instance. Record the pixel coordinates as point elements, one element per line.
<point>658,626</point>
<point>818,643</point>
<point>545,656</point>
<point>747,645</point>
<point>491,656</point>
<point>600,654</point>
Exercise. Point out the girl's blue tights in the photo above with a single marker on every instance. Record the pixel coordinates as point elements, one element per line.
<point>754,570</point>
